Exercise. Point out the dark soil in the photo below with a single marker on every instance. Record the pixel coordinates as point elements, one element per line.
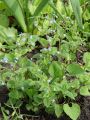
<point>3,94</point>
<point>80,53</point>
<point>85,109</point>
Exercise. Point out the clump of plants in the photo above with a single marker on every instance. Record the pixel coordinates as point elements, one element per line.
<point>45,59</point>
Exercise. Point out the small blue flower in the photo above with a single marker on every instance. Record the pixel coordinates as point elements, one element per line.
<point>5,59</point>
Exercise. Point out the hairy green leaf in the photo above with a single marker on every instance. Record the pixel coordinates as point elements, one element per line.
<point>74,69</point>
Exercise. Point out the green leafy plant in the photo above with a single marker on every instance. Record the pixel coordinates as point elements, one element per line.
<point>42,86</point>
<point>42,66</point>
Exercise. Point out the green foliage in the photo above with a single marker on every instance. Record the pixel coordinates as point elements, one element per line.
<point>75,69</point>
<point>4,20</point>
<point>28,10</point>
<point>42,66</point>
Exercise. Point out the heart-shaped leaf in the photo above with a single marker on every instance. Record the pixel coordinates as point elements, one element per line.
<point>73,112</point>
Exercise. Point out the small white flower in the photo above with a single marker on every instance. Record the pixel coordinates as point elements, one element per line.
<point>68,18</point>
<point>20,116</point>
<point>31,36</point>
<point>53,101</point>
<point>49,81</point>
<point>44,49</point>
<point>36,24</point>
<point>32,43</point>
<point>52,21</point>
<point>11,65</point>
<point>2,83</point>
<point>64,77</point>
<point>18,43</point>
<point>22,88</point>
<point>52,31</point>
<point>49,40</point>
<point>23,39</point>
<point>56,16</point>
<point>40,55</point>
<point>46,17</point>
<point>64,35</point>
<point>16,59</point>
<point>49,49</point>
<point>21,34</point>
<point>58,52</point>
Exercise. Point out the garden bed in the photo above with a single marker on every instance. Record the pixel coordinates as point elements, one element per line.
<point>44,60</point>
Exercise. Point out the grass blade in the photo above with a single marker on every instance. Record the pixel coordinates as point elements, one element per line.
<point>76,9</point>
<point>55,9</point>
<point>17,11</point>
<point>40,7</point>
